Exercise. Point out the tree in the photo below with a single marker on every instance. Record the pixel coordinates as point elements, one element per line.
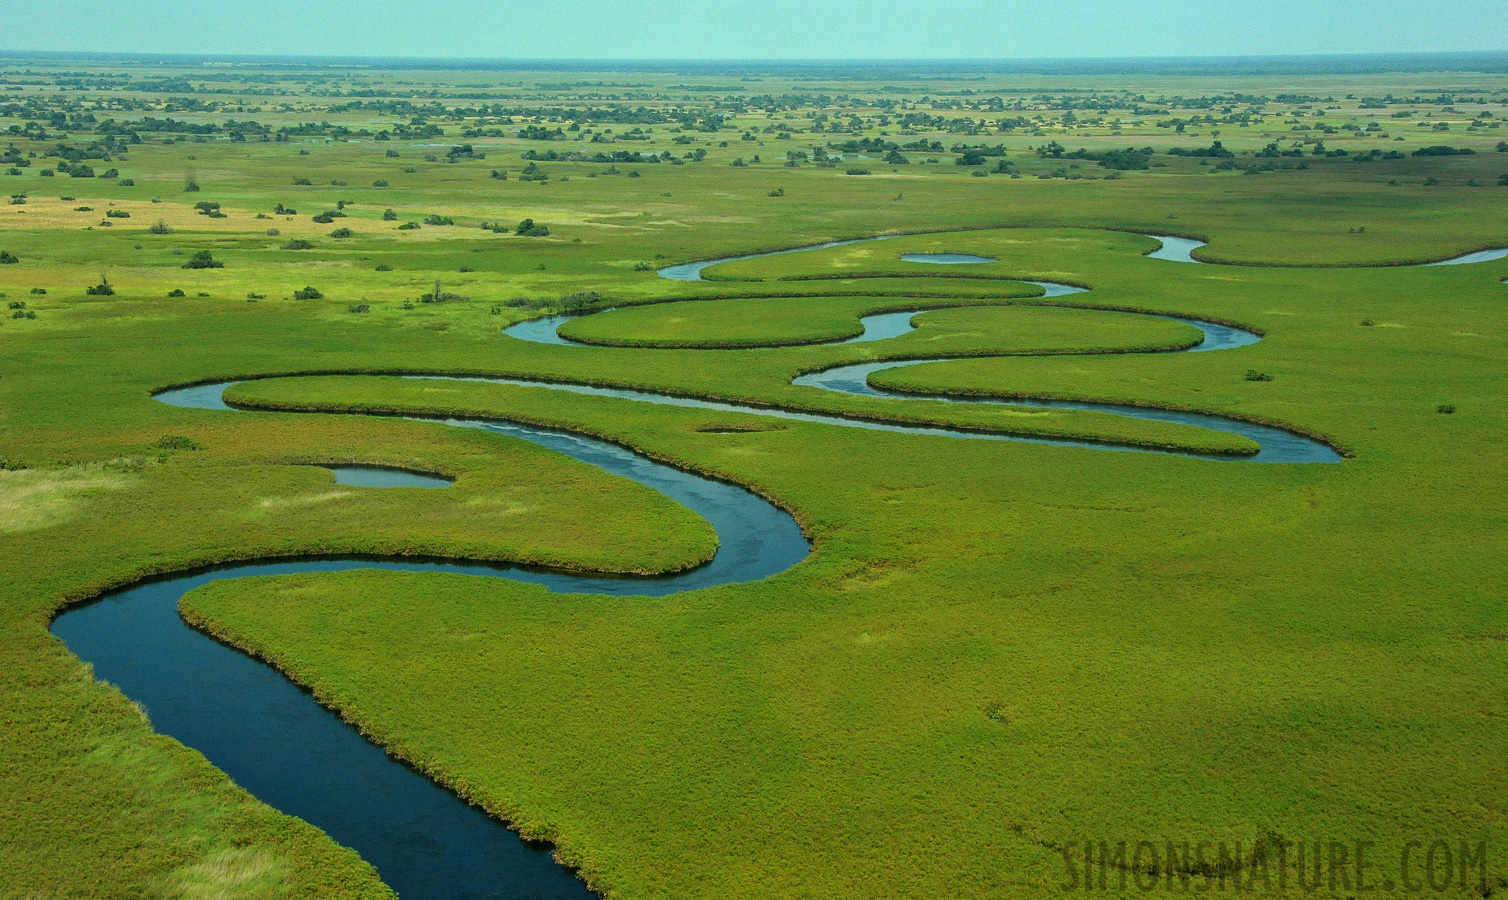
<point>389,216</point>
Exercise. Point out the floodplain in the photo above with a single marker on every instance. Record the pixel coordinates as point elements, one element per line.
<point>688,619</point>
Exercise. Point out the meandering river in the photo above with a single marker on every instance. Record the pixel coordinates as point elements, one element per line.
<point>279,744</point>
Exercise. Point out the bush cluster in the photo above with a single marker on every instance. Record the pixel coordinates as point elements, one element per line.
<point>203,260</point>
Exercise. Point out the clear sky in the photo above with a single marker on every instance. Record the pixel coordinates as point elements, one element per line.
<point>757,29</point>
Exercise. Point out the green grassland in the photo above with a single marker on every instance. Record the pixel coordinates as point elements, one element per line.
<point>995,650</point>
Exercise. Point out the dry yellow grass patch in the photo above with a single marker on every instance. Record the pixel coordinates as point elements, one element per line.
<point>238,874</point>
<point>32,499</point>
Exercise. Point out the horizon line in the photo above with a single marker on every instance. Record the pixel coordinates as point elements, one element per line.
<point>1421,55</point>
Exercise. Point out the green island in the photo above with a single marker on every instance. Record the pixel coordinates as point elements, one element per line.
<point>990,660</point>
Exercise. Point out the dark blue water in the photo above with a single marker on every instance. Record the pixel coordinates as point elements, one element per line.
<point>425,842</point>
<point>385,477</point>
<point>275,741</point>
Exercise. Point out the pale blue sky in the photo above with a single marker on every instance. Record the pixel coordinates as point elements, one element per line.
<point>756,29</point>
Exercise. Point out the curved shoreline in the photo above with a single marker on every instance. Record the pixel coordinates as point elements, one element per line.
<point>276,741</point>
<point>873,326</point>
<point>1275,443</point>
<point>692,270</point>
<point>202,691</point>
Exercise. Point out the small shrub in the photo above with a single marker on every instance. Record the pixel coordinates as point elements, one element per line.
<point>178,442</point>
<point>203,260</point>
<point>298,244</point>
<point>389,216</point>
<point>160,228</point>
<point>8,258</point>
<point>1368,322</point>
<point>192,187</point>
<point>409,226</point>
<point>643,267</point>
<point>117,214</point>
<point>23,314</point>
<point>302,182</point>
<point>103,289</point>
<point>1446,409</point>
<point>583,300</point>
<point>110,173</point>
<point>465,269</point>
<point>381,182</point>
<point>127,182</point>
<point>329,216</point>
<point>18,304</point>
<point>384,267</point>
<point>38,291</point>
<point>342,233</point>
<point>778,192</point>
<point>273,232</point>
<point>434,219</point>
<point>308,293</point>
<point>282,210</point>
<point>360,308</point>
<point>527,228</point>
<point>177,292</point>
<point>1254,375</point>
<point>858,171</point>
<point>392,154</point>
<point>253,296</point>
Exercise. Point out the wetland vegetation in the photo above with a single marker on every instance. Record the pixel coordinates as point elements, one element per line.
<point>995,650</point>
